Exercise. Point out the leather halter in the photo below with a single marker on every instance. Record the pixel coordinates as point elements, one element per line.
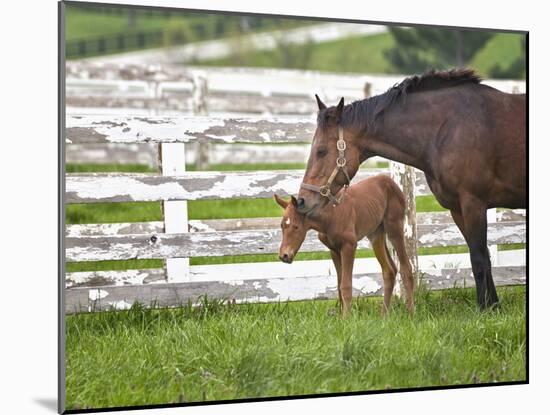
<point>340,165</point>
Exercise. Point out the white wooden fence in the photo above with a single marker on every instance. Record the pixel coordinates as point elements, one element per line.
<point>173,238</point>
<point>166,90</point>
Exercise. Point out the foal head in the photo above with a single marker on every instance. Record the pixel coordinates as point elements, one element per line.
<point>293,227</point>
<point>325,156</point>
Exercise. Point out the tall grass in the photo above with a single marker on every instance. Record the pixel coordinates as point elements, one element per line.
<point>220,351</point>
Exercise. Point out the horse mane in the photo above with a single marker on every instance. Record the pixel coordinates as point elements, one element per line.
<point>364,113</point>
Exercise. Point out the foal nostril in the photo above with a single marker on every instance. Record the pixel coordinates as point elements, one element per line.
<point>301,202</point>
<point>284,258</point>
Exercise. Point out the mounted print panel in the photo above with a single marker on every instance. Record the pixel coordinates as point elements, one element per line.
<point>263,207</point>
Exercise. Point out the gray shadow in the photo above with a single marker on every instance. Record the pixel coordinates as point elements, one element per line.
<point>48,403</point>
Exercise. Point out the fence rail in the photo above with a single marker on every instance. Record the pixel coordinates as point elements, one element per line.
<point>146,246</point>
<point>82,299</point>
<point>186,129</point>
<point>148,90</point>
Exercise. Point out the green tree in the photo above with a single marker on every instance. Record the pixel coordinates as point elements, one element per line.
<point>419,49</point>
<point>515,70</point>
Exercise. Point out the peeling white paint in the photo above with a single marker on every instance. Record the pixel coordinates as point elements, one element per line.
<point>97,294</point>
<point>120,305</point>
<point>113,186</point>
<point>98,248</point>
<point>235,283</point>
<point>366,285</point>
<point>300,287</point>
<point>116,278</point>
<point>188,128</point>
<point>190,186</point>
<point>230,138</point>
<point>199,226</point>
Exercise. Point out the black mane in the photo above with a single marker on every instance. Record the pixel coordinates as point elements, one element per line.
<point>364,113</point>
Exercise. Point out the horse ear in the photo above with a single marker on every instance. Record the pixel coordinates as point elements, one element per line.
<point>280,201</point>
<point>320,103</point>
<point>340,107</point>
<point>294,201</point>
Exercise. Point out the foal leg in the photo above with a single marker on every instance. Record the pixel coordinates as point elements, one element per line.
<point>474,223</point>
<point>338,265</point>
<point>347,255</point>
<point>335,255</point>
<point>388,268</point>
<point>396,236</point>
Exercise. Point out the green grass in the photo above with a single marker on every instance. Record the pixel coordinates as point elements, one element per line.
<point>81,23</point>
<point>220,351</point>
<point>89,24</point>
<point>363,54</point>
<point>366,55</point>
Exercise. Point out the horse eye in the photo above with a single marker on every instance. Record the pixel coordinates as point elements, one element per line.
<point>295,226</point>
<point>322,152</point>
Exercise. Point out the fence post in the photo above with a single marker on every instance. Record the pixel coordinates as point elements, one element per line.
<point>172,163</point>
<point>155,92</point>
<point>405,177</point>
<point>200,89</point>
<point>367,90</point>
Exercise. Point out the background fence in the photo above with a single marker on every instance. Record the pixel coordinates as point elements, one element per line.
<point>175,238</point>
<point>96,88</point>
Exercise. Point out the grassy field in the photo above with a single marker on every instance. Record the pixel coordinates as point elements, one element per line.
<point>366,55</point>
<point>156,28</point>
<point>220,351</point>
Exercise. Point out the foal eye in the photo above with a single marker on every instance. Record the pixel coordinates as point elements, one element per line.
<point>322,152</point>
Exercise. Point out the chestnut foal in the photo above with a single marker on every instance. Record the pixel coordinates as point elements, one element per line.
<point>374,207</point>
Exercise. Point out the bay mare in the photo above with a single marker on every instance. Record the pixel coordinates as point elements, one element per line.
<point>469,140</point>
<point>372,208</point>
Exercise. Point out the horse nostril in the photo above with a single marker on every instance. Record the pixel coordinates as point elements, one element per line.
<point>301,202</point>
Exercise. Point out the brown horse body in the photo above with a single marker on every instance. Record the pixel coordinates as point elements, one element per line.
<point>468,138</point>
<point>372,208</point>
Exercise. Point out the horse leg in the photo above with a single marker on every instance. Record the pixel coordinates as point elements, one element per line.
<point>459,220</point>
<point>347,255</point>
<point>396,236</point>
<point>473,226</point>
<point>338,265</point>
<point>389,270</point>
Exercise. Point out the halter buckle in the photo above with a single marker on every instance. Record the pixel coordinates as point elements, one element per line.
<point>341,162</point>
<point>341,145</point>
<point>324,190</point>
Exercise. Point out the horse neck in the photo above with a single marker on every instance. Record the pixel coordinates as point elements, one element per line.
<point>402,136</point>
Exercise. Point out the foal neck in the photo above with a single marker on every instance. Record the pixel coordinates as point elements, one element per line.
<point>328,214</point>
